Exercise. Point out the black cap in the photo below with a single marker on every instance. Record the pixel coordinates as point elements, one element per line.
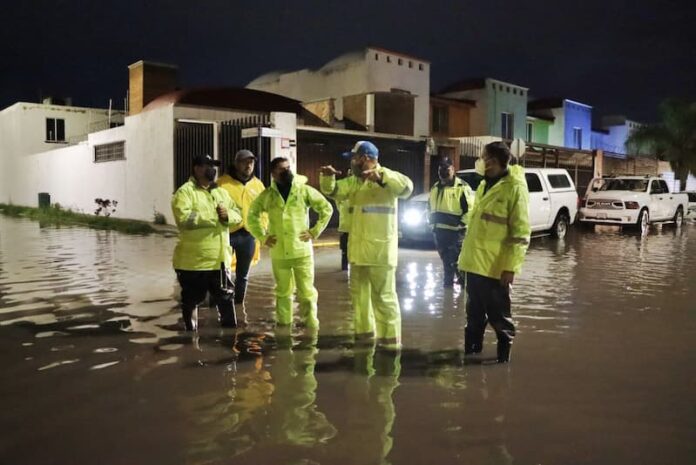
<point>445,163</point>
<point>205,160</point>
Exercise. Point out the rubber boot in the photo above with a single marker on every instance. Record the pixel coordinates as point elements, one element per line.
<point>228,316</point>
<point>190,317</point>
<point>473,343</point>
<point>504,348</point>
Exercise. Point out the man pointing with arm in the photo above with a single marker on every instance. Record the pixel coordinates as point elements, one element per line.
<point>372,192</point>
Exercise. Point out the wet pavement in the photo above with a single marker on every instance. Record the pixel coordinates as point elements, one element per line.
<point>95,370</point>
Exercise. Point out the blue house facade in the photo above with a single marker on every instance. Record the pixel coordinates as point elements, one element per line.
<point>572,121</point>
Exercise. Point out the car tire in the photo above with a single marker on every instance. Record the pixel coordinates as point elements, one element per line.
<point>560,226</point>
<point>643,222</point>
<point>679,218</point>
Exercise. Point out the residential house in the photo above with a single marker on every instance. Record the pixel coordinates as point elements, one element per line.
<point>572,121</point>
<point>373,89</point>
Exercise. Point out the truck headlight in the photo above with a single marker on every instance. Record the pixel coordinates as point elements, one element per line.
<point>632,205</point>
<point>413,217</point>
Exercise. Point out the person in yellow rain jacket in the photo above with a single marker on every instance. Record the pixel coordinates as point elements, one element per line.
<point>243,187</point>
<point>494,248</point>
<point>204,213</point>
<point>287,203</point>
<point>448,207</point>
<point>372,192</point>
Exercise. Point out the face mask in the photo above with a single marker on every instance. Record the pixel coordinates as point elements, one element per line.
<point>285,177</point>
<point>210,173</point>
<point>480,167</point>
<point>444,175</point>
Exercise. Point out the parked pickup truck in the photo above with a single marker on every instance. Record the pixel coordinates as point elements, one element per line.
<point>553,204</point>
<point>633,201</point>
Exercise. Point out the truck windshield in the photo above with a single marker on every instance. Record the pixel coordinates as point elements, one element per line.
<point>633,185</point>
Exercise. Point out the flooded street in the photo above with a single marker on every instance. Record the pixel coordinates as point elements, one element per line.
<point>95,369</point>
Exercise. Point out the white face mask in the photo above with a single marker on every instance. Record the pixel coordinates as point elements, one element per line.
<point>480,167</point>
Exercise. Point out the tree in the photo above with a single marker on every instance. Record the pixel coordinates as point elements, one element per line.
<point>673,139</point>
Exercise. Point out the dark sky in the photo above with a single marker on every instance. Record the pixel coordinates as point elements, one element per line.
<point>619,56</point>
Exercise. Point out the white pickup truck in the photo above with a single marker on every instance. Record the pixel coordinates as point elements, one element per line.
<point>633,201</point>
<point>553,204</point>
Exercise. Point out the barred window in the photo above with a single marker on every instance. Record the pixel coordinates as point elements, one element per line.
<point>110,152</point>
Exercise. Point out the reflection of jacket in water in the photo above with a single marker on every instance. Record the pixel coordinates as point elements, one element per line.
<point>365,437</point>
<point>293,417</point>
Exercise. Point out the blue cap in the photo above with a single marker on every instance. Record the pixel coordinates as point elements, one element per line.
<point>363,147</point>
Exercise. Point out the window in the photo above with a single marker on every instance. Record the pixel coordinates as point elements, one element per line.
<point>110,152</point>
<point>507,124</point>
<point>410,64</point>
<point>533,182</point>
<point>665,189</point>
<point>514,91</point>
<point>558,181</point>
<point>376,56</point>
<point>530,131</point>
<point>401,62</point>
<point>507,89</point>
<point>420,66</point>
<point>656,188</point>
<point>55,130</point>
<point>388,59</point>
<point>633,185</point>
<point>577,138</point>
<point>441,119</point>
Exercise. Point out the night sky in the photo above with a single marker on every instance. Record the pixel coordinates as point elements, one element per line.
<point>619,56</point>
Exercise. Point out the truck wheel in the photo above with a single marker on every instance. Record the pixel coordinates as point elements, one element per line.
<point>679,217</point>
<point>643,222</point>
<point>560,226</point>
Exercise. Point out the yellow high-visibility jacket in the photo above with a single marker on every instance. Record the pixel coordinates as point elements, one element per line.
<point>243,195</point>
<point>449,206</point>
<point>203,240</point>
<point>374,234</point>
<point>287,219</point>
<point>498,233</point>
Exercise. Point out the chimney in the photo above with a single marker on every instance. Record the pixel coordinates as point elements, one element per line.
<point>147,81</point>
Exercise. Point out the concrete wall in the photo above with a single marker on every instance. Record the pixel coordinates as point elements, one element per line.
<point>142,184</point>
<point>492,100</point>
<point>577,116</point>
<point>405,73</point>
<point>369,70</point>
<point>23,125</point>
<point>540,130</point>
<point>504,97</point>
<point>557,128</point>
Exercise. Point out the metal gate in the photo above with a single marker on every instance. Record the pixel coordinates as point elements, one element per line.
<point>190,139</point>
<point>231,141</point>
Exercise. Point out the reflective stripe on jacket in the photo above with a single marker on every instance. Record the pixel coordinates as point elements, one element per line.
<point>374,231</point>
<point>449,206</point>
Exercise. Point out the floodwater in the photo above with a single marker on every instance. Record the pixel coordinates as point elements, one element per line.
<point>95,370</point>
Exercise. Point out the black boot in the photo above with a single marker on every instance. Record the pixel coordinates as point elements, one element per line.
<point>473,343</point>
<point>504,348</point>
<point>228,316</point>
<point>190,317</point>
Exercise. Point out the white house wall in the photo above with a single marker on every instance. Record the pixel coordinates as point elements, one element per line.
<point>353,74</point>
<point>141,184</point>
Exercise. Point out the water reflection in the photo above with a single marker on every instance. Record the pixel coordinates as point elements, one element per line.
<point>606,326</point>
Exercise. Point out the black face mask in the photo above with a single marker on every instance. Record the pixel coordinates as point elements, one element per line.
<point>285,177</point>
<point>210,173</point>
